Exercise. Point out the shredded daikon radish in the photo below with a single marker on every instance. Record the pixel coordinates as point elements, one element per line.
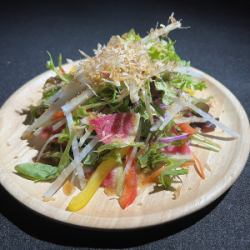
<point>58,182</point>
<point>58,125</point>
<point>75,148</point>
<point>175,108</point>
<point>67,93</point>
<point>76,101</point>
<point>68,170</point>
<point>88,147</point>
<point>85,137</point>
<point>169,115</point>
<point>45,145</point>
<point>189,119</point>
<point>209,118</point>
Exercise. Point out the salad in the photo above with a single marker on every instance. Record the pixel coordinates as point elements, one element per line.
<point>124,118</point>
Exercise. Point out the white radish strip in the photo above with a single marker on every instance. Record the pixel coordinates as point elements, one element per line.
<point>69,91</point>
<point>45,145</point>
<point>76,101</point>
<point>55,97</point>
<point>75,148</point>
<point>210,118</point>
<point>189,119</point>
<point>58,182</point>
<point>68,170</point>
<point>157,124</point>
<point>169,115</point>
<point>58,125</point>
<point>88,148</point>
<point>85,137</point>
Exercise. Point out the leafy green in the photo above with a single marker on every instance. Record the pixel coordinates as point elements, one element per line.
<point>91,159</point>
<point>112,146</point>
<point>205,143</point>
<point>172,171</point>
<point>49,93</point>
<point>50,65</point>
<point>114,154</point>
<point>131,36</point>
<point>170,83</point>
<point>122,106</point>
<point>64,136</point>
<point>169,92</point>
<point>145,127</point>
<point>153,157</point>
<point>183,81</point>
<point>65,158</point>
<point>109,93</point>
<point>36,171</point>
<point>164,51</point>
<point>147,98</point>
<point>141,109</point>
<point>52,157</point>
<point>117,156</point>
<point>33,112</point>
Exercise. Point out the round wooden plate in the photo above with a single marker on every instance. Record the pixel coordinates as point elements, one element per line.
<point>150,207</point>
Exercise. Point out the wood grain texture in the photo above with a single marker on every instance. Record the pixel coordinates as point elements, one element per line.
<point>148,209</point>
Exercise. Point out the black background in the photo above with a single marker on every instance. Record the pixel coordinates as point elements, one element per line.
<point>218,43</point>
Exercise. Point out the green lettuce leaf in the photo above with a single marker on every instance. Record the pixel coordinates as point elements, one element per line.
<point>37,171</point>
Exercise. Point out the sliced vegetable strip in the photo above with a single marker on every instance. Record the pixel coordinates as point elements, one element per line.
<point>129,192</point>
<point>185,127</point>
<point>199,167</point>
<point>95,181</point>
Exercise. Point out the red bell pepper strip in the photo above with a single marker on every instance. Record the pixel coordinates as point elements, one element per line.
<point>58,116</point>
<point>129,192</point>
<point>185,127</point>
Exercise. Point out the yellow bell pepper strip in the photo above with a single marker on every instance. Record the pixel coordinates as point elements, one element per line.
<point>95,181</point>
